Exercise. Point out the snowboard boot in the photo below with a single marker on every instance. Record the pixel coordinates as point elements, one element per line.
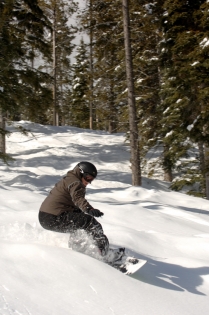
<point>115,256</point>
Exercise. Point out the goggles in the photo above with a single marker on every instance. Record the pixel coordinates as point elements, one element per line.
<point>88,178</point>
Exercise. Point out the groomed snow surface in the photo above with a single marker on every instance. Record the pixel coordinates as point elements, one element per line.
<point>39,275</point>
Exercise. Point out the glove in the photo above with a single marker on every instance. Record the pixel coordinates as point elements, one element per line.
<point>94,212</point>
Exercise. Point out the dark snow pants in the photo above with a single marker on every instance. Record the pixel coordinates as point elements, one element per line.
<point>71,222</point>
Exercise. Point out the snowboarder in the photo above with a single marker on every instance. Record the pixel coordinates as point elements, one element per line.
<point>66,210</point>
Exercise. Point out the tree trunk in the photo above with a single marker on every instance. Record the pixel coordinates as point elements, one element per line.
<point>134,141</point>
<point>202,157</point>
<point>168,176</point>
<point>55,112</point>
<point>112,127</point>
<point>2,135</point>
<point>207,172</point>
<point>167,166</point>
<point>202,162</point>
<point>91,71</point>
<point>112,117</point>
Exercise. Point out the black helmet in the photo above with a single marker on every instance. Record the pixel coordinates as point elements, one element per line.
<point>88,168</point>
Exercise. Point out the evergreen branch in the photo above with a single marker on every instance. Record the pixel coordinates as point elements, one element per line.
<point>6,158</point>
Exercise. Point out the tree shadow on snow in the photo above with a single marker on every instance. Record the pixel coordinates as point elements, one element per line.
<point>159,206</point>
<point>170,276</point>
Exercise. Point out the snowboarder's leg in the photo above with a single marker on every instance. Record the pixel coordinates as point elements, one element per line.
<point>94,228</point>
<point>48,221</point>
<point>70,222</point>
<point>87,223</point>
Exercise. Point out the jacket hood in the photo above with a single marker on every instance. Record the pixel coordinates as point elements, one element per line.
<point>76,172</point>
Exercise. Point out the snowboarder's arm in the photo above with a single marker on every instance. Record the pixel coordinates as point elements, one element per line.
<point>77,192</point>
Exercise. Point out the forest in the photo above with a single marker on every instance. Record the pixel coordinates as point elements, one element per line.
<point>48,78</point>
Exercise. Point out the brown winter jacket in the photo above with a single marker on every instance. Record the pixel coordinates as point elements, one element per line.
<point>67,194</point>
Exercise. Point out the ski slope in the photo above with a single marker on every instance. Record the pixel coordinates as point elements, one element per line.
<point>41,276</point>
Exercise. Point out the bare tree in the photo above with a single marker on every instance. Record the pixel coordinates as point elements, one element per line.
<point>134,139</point>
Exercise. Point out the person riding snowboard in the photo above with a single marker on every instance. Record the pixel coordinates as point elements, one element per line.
<point>66,210</point>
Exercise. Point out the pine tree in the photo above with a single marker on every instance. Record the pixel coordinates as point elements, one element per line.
<point>22,25</point>
<point>146,34</point>
<point>61,39</point>
<point>79,105</point>
<point>185,89</point>
<point>107,27</point>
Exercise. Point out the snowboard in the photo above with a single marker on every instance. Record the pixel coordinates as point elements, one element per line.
<point>116,257</point>
<point>129,265</point>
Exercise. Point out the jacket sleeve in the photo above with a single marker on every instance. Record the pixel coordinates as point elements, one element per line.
<point>77,192</point>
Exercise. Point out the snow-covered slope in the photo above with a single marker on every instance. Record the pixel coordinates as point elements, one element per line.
<point>41,276</point>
